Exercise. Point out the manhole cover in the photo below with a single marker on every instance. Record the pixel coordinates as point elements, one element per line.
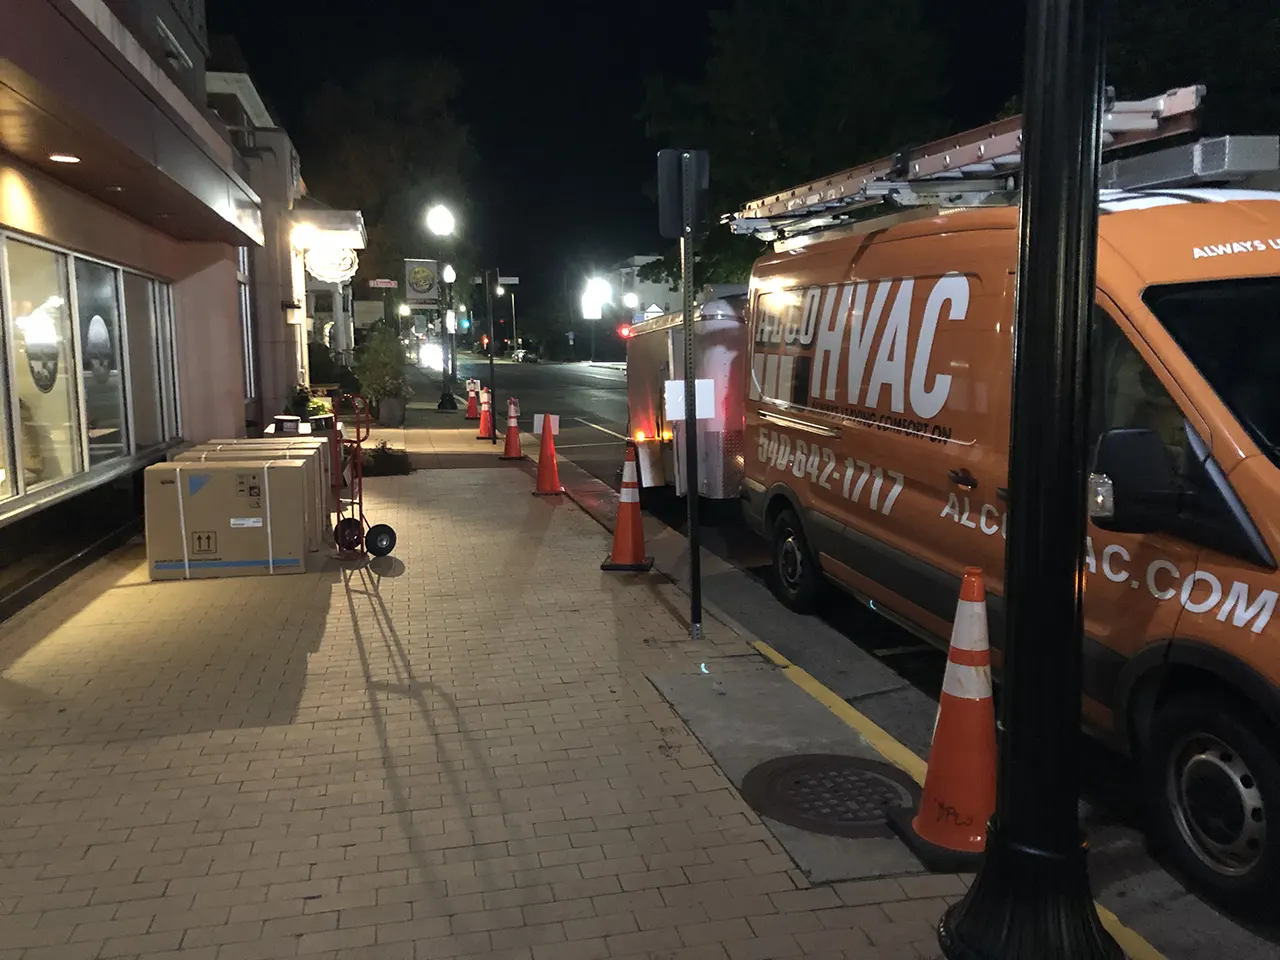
<point>829,794</point>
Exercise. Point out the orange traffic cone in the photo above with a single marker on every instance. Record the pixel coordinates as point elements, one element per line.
<point>486,416</point>
<point>548,472</point>
<point>473,406</point>
<point>628,532</point>
<point>949,832</point>
<point>511,449</point>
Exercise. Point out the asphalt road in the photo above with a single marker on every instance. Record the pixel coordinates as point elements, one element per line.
<point>591,401</point>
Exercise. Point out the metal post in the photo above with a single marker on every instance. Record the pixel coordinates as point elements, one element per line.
<point>1031,897</point>
<point>690,400</point>
<point>493,346</point>
<point>447,400</point>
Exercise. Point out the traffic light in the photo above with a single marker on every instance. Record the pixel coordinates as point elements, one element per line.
<point>464,323</point>
<point>484,341</point>
<point>624,331</point>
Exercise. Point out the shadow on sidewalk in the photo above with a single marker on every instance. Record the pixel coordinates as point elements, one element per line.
<point>111,655</point>
<point>365,581</point>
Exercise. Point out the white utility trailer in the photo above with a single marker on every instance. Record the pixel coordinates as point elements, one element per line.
<point>655,354</point>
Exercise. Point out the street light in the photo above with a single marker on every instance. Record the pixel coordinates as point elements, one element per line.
<point>499,291</point>
<point>630,301</point>
<point>596,294</point>
<point>440,220</point>
<point>448,274</point>
<point>404,310</point>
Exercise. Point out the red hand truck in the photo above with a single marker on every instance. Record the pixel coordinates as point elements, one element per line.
<point>352,533</point>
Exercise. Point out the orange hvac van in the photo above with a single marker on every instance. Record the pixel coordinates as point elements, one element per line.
<point>877,435</point>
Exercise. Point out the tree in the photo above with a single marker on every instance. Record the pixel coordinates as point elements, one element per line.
<point>390,145</point>
<point>793,91</point>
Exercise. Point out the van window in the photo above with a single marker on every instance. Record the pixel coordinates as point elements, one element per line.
<point>1127,394</point>
<point>1230,330</point>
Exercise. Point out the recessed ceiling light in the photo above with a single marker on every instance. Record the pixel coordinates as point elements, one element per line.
<point>64,158</point>
<point>114,188</point>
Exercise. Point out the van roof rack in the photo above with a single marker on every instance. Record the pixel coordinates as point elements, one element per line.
<point>979,167</point>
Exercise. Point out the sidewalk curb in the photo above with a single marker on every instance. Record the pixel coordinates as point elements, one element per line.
<point>587,492</point>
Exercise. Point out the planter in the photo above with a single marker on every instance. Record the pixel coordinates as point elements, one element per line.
<point>391,412</point>
<point>322,423</point>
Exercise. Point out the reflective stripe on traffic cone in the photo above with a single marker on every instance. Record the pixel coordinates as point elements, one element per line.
<point>628,533</point>
<point>473,405</point>
<point>486,416</point>
<point>949,832</point>
<point>511,449</point>
<point>548,472</point>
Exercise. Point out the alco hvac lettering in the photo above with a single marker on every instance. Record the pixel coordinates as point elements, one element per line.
<point>893,389</point>
<point>422,282</point>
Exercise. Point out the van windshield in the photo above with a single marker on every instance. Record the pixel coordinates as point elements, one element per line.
<point>1230,330</point>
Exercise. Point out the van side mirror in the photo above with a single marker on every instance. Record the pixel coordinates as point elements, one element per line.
<point>1134,486</point>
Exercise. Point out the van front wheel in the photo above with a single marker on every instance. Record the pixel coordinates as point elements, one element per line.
<point>1212,784</point>
<point>796,579</point>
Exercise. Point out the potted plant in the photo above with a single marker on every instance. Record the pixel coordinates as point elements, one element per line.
<point>380,365</point>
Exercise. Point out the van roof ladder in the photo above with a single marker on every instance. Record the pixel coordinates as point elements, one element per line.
<point>979,167</point>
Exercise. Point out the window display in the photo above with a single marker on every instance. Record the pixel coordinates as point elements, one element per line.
<point>39,317</point>
<point>98,308</point>
<point>86,366</point>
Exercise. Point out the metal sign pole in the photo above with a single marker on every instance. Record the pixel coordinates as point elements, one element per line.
<point>493,346</point>
<point>688,186</point>
<point>1031,897</point>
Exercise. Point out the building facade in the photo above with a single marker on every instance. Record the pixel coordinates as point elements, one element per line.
<point>129,233</point>
<point>652,299</point>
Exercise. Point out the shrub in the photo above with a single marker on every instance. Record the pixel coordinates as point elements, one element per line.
<point>380,365</point>
<point>386,461</point>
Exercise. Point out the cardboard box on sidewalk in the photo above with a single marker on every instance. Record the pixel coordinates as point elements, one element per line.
<point>225,519</point>
<point>323,441</point>
<point>318,525</point>
<point>317,446</point>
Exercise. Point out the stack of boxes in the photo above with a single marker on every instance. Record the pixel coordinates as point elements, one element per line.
<point>237,507</point>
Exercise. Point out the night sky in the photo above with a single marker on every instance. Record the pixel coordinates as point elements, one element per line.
<point>551,95</point>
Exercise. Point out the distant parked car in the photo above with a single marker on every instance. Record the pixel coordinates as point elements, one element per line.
<point>528,356</point>
<point>518,356</point>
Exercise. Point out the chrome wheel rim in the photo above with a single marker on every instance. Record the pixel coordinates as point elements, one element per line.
<point>790,560</point>
<point>1216,804</point>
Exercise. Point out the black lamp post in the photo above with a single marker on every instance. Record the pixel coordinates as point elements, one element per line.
<point>447,400</point>
<point>1031,896</point>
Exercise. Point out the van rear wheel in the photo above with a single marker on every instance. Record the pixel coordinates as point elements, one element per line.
<point>796,580</point>
<point>1211,784</point>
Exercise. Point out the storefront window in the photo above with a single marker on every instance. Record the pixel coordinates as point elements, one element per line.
<point>98,309</point>
<point>43,364</point>
<point>144,384</point>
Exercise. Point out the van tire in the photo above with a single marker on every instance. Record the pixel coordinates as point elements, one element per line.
<point>1211,785</point>
<point>797,581</point>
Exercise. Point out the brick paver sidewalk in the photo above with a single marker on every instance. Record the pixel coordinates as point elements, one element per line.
<point>417,759</point>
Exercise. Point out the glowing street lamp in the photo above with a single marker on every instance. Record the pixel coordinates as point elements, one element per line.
<point>448,274</point>
<point>404,310</point>
<point>596,294</point>
<point>630,301</point>
<point>499,291</point>
<point>440,220</point>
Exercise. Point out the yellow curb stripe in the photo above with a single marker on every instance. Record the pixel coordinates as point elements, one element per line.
<point>896,753</point>
<point>881,742</point>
